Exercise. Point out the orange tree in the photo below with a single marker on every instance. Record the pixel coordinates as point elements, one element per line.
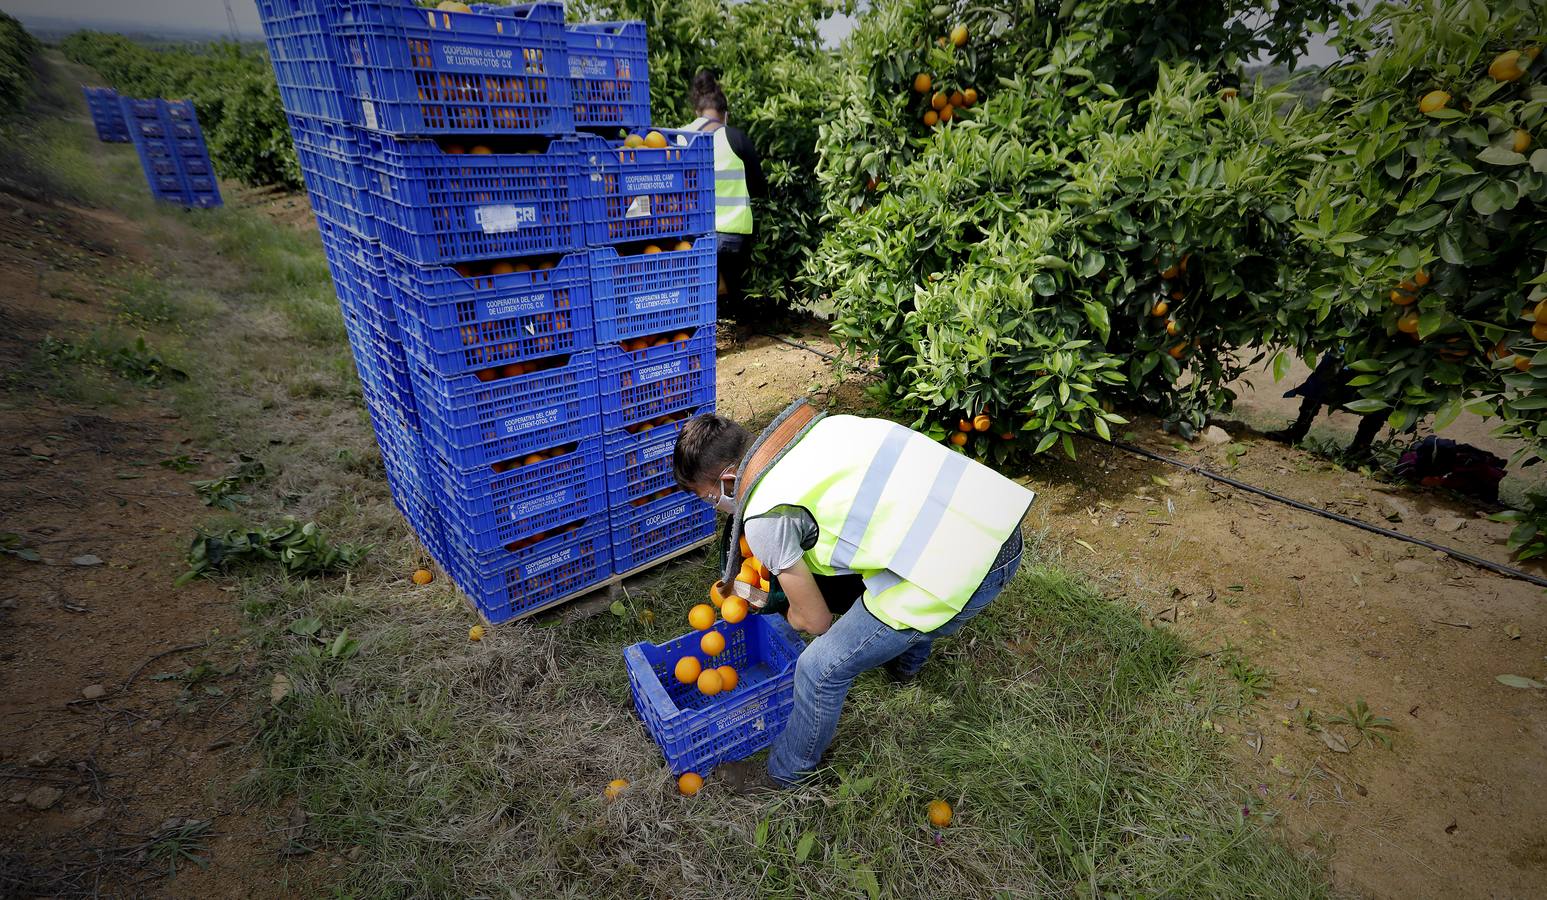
<point>1093,230</point>
<point>1428,219</point>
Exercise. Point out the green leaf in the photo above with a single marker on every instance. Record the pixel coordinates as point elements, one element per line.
<point>1047,441</point>
<point>1450,250</point>
<point>1096,314</point>
<point>1281,363</point>
<point>1520,681</point>
<point>1368,405</point>
<point>1069,447</point>
<point>618,609</point>
<point>307,626</point>
<point>760,835</point>
<point>1447,414</point>
<point>1501,156</point>
<point>1539,161</point>
<point>803,847</point>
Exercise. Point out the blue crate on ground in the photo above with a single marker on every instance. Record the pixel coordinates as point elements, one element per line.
<point>658,528</point>
<point>441,207</point>
<point>107,115</point>
<point>639,461</point>
<point>468,323</point>
<point>159,129</point>
<point>532,579</point>
<point>508,417</point>
<point>334,170</point>
<point>413,71</point>
<point>648,194</point>
<point>502,510</point>
<point>697,733</point>
<point>648,293</point>
<point>609,74</point>
<point>304,52</point>
<point>640,385</point>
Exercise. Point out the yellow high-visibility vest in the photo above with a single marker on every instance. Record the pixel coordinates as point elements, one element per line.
<point>732,198</point>
<point>920,522</point>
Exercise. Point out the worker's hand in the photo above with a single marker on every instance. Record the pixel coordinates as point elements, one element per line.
<point>808,609</point>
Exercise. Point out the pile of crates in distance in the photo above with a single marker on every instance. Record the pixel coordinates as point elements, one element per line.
<point>167,136</point>
<point>106,114</point>
<point>530,303</point>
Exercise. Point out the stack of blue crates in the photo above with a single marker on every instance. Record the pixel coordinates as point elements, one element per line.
<point>167,136</point>
<point>106,114</point>
<point>490,256</point>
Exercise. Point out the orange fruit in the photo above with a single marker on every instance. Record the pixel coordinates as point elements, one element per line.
<point>747,577</point>
<point>501,268</point>
<point>683,245</point>
<point>423,576</point>
<point>655,140</point>
<point>1171,272</point>
<point>687,669</point>
<point>1159,309</point>
<point>689,784</point>
<point>728,678</point>
<point>475,633</point>
<point>1172,328</point>
<point>969,96</point>
<point>1506,66</point>
<point>964,425</point>
<point>680,337</point>
<point>734,609</point>
<point>939,100</point>
<point>1520,141</point>
<point>1183,263</point>
<point>1433,101</point>
<point>701,617</point>
<point>487,374</point>
<point>712,643</point>
<point>958,99</point>
<point>959,438</point>
<point>651,248</point>
<point>1177,351</point>
<point>709,682</point>
<point>931,118</point>
<point>455,149</point>
<point>481,150</point>
<point>947,114</point>
<point>959,35</point>
<point>1229,94</point>
<point>718,593</point>
<point>615,788</point>
<point>764,585</point>
<point>746,548</point>
<point>1421,278</point>
<point>633,142</point>
<point>1539,331</point>
<point>1408,324</point>
<point>981,422</point>
<point>1403,299</point>
<point>1522,362</point>
<point>452,6</point>
<point>939,813</point>
<point>922,82</point>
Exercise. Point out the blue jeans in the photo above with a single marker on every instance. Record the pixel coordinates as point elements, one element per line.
<point>859,641</point>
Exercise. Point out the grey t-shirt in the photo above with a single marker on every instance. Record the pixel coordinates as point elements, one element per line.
<point>780,536</point>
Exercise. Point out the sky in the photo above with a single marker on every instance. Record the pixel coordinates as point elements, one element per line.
<point>210,16</point>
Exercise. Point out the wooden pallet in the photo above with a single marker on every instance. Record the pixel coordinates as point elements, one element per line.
<point>590,600</point>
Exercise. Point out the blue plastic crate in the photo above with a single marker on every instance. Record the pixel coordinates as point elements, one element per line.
<point>494,512</point>
<point>441,207</point>
<point>509,417</point>
<point>467,323</point>
<point>640,385</point>
<point>609,74</point>
<point>107,115</point>
<point>412,71</point>
<point>186,179</point>
<point>658,528</point>
<point>697,733</point>
<point>639,462</point>
<point>647,194</point>
<point>304,52</point>
<point>334,170</point>
<point>362,261</point>
<point>533,579</point>
<point>641,293</point>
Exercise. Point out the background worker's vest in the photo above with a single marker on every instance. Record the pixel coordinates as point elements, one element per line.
<point>920,522</point>
<point>732,199</point>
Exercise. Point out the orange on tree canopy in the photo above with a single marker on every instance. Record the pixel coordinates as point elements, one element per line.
<point>922,82</point>
<point>931,118</point>
<point>959,438</point>
<point>1433,101</point>
<point>1539,331</point>
<point>734,609</point>
<point>947,113</point>
<point>687,669</point>
<point>1160,308</point>
<point>959,35</point>
<point>1421,277</point>
<point>969,96</point>
<point>981,422</point>
<point>958,99</point>
<point>701,617</point>
<point>939,100</point>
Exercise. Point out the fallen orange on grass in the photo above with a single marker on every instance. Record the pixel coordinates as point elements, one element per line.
<point>939,813</point>
<point>689,784</point>
<point>615,788</point>
<point>423,576</point>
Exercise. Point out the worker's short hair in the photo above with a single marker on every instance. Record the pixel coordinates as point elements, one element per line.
<point>705,92</point>
<point>706,445</point>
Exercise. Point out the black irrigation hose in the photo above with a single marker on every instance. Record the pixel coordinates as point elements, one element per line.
<point>1477,561</point>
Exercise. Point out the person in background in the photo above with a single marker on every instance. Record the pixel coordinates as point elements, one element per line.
<point>738,178</point>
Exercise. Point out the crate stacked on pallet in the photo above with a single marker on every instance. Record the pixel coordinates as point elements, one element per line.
<point>106,114</point>
<point>167,136</point>
<point>653,282</point>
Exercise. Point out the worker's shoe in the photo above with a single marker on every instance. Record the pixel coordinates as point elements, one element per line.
<point>898,676</point>
<point>744,777</point>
